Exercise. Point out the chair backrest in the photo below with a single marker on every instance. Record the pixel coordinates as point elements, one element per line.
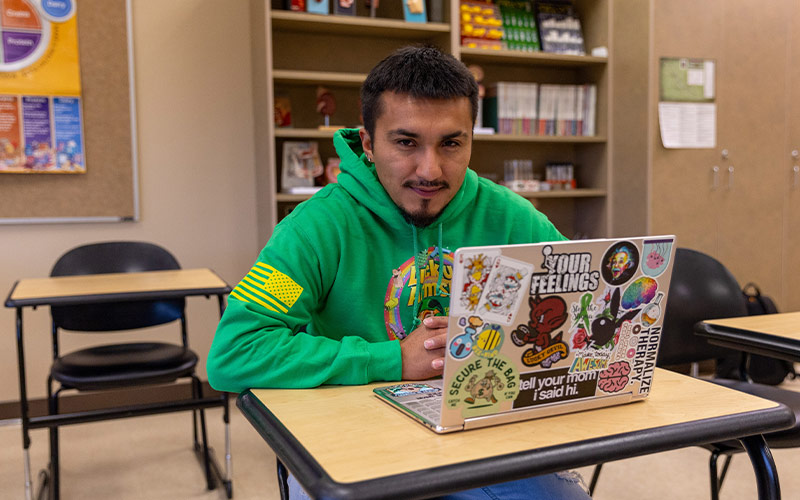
<point>701,288</point>
<point>115,257</point>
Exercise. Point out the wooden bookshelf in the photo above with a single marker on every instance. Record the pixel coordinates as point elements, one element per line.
<point>300,51</point>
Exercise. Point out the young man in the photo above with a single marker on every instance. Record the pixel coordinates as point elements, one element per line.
<point>352,286</point>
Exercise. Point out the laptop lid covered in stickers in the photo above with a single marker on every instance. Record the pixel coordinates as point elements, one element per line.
<point>549,328</point>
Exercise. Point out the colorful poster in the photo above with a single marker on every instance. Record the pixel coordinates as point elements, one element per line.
<point>41,120</point>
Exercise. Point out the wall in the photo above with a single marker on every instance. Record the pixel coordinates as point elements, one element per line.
<point>194,108</point>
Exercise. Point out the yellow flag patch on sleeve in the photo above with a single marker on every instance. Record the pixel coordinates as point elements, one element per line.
<point>268,287</point>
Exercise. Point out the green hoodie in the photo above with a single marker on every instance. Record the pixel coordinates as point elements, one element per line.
<point>338,283</point>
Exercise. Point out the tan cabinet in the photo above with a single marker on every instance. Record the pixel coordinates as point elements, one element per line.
<point>731,201</point>
<point>789,169</point>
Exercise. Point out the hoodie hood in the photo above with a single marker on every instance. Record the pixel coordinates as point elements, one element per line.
<point>359,178</point>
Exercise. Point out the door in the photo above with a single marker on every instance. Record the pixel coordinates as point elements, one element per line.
<point>751,104</point>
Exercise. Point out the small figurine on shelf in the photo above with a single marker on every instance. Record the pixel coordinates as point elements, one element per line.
<point>326,106</point>
<point>344,7</point>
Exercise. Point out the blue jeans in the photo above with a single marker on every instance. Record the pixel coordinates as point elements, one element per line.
<point>558,486</point>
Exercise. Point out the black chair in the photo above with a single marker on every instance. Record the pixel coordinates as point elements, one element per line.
<point>126,365</point>
<point>701,289</point>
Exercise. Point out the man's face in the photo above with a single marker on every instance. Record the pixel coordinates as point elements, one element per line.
<point>421,151</point>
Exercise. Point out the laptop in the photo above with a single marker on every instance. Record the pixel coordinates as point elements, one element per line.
<point>545,329</point>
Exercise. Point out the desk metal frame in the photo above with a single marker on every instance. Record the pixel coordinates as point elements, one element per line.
<point>473,474</point>
<point>52,421</point>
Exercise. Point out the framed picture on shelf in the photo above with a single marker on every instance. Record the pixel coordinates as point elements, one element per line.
<point>301,164</point>
<point>414,11</point>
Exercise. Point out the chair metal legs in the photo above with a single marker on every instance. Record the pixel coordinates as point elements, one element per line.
<point>197,392</point>
<point>52,483</point>
<point>283,480</point>
<point>204,452</point>
<point>717,477</point>
<point>595,477</point>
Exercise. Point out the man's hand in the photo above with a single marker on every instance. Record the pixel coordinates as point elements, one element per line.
<point>423,349</point>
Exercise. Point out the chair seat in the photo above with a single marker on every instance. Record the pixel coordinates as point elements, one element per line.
<point>788,438</point>
<point>122,365</point>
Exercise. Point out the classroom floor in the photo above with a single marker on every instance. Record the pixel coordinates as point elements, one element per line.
<point>151,458</point>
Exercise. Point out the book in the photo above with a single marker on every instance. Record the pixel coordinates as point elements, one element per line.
<point>414,11</point>
<point>295,5</point>
<point>318,6</point>
<point>559,28</point>
<point>344,7</point>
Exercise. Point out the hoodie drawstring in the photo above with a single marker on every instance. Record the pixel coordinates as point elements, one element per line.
<point>421,261</point>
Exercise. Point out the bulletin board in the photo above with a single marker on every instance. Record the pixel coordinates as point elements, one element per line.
<point>108,190</point>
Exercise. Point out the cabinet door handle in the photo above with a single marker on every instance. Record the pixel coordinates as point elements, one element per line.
<point>714,177</point>
<point>730,177</point>
<point>795,176</point>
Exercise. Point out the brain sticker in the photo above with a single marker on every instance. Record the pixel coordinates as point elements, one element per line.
<point>615,377</point>
<point>639,292</point>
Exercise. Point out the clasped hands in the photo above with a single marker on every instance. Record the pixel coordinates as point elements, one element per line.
<point>423,349</point>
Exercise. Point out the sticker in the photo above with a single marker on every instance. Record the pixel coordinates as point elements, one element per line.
<point>652,312</point>
<point>489,341</point>
<point>411,389</point>
<point>639,292</point>
<point>505,289</point>
<point>546,316</point>
<point>656,256</point>
<point>605,326</point>
<point>620,263</point>
<point>552,386</point>
<point>566,273</point>
<point>482,384</point>
<point>614,378</point>
<point>461,346</point>
<point>644,361</point>
<point>470,281</point>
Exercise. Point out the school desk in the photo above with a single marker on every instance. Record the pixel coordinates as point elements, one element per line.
<point>773,335</point>
<point>99,288</point>
<point>342,442</point>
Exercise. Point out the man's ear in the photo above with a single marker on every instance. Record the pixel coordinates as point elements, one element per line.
<point>366,143</point>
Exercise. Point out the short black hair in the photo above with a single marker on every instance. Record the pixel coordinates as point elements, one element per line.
<point>421,71</point>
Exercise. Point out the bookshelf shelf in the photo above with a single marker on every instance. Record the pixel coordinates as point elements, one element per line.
<point>311,133</point>
<point>529,58</point>
<point>350,25</point>
<point>571,193</point>
<point>297,77</point>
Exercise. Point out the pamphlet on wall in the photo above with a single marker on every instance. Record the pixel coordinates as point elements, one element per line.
<point>687,113</point>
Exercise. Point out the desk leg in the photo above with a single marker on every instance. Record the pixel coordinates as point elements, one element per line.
<point>23,407</point>
<point>764,466</point>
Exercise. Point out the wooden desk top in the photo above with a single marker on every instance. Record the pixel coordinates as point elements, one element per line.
<point>66,290</point>
<point>355,437</point>
<point>781,324</point>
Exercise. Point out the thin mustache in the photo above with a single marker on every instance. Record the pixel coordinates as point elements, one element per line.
<point>426,184</point>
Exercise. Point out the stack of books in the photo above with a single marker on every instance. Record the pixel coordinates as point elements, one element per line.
<point>518,108</point>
